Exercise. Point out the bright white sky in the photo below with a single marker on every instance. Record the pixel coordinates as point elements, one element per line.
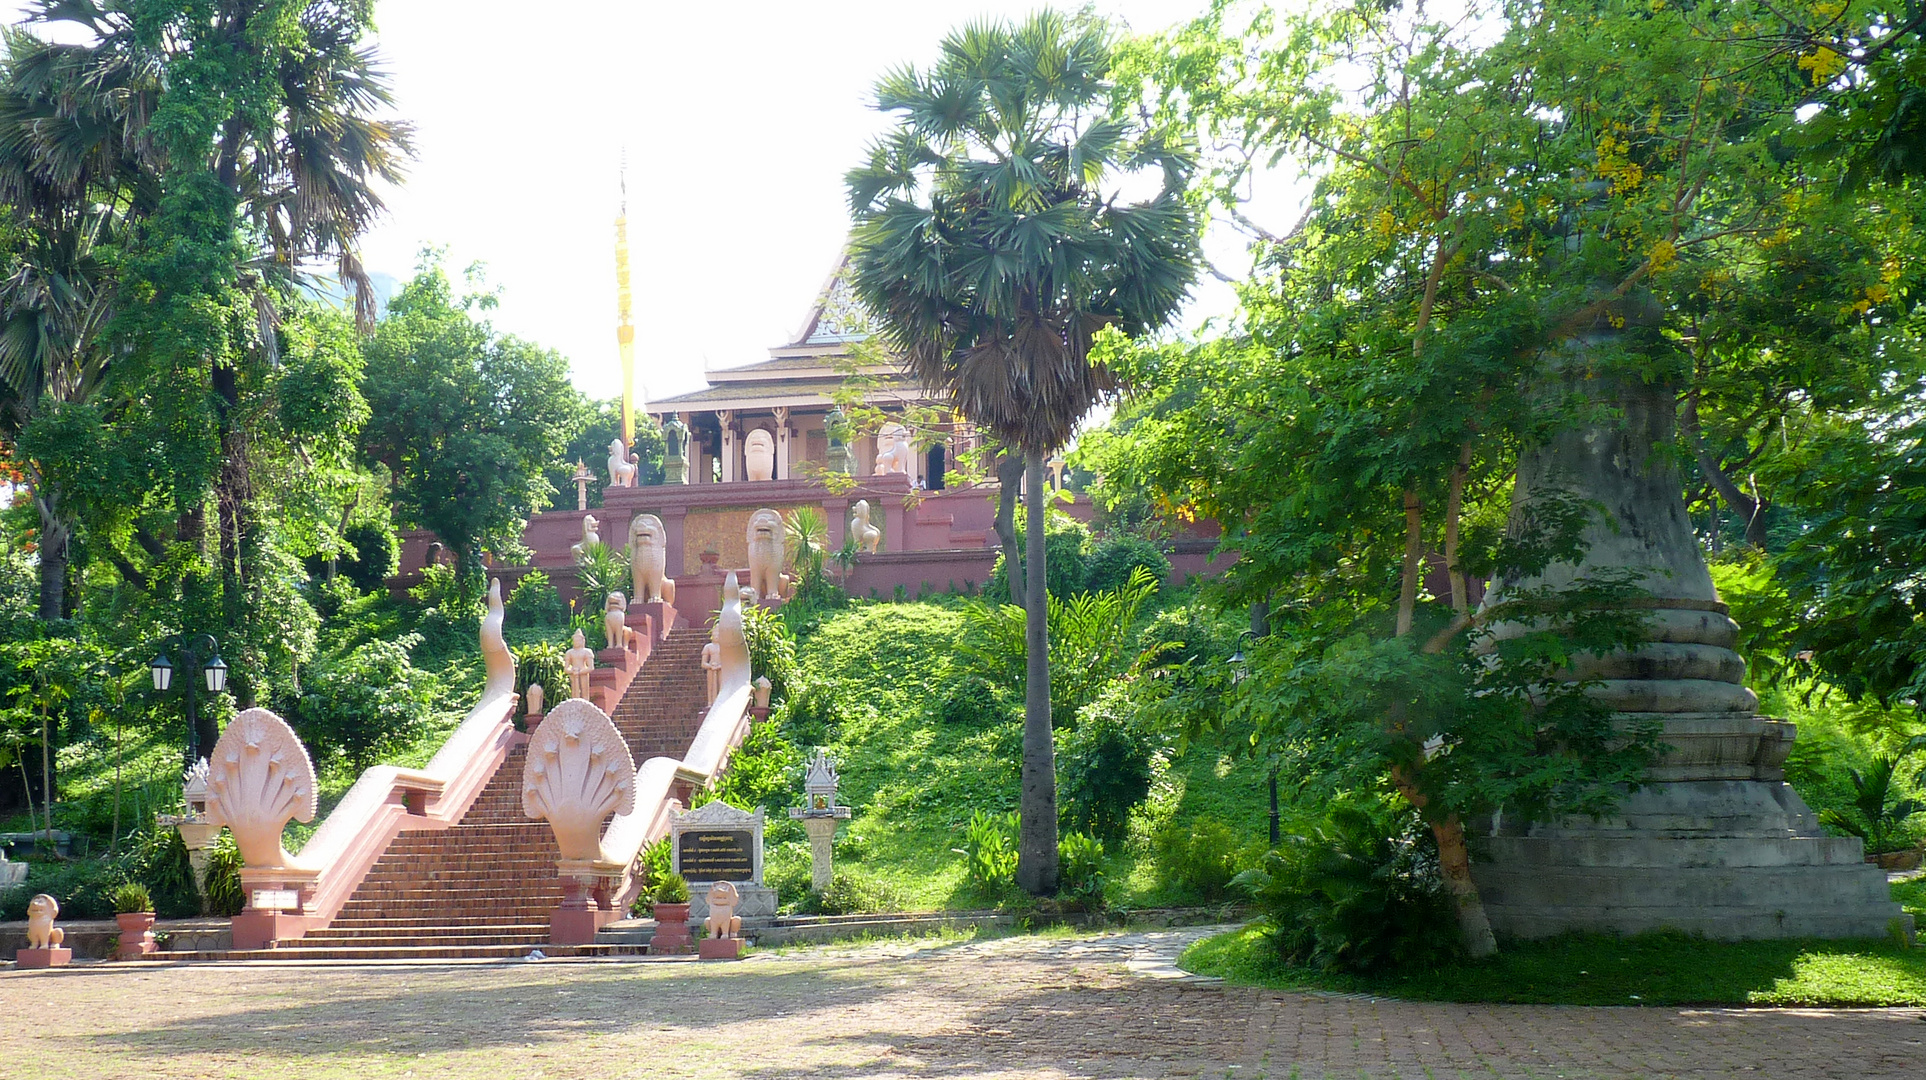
<point>739,121</point>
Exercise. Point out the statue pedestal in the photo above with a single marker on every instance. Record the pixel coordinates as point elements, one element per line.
<point>719,948</point>
<point>822,846</point>
<point>28,959</point>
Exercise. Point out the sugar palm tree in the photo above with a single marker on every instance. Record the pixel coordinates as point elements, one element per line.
<point>993,244</point>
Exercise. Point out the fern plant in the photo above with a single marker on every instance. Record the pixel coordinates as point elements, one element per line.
<point>990,850</point>
<point>1881,810</point>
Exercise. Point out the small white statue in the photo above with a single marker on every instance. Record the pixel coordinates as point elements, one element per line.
<point>615,625</point>
<point>622,467</point>
<point>712,668</point>
<point>759,455</point>
<point>868,537</point>
<point>748,595</point>
<point>892,450</point>
<point>765,553</point>
<point>579,664</point>
<point>763,687</point>
<point>534,699</point>
<point>579,551</point>
<point>723,922</point>
<point>41,931</point>
<point>649,561</point>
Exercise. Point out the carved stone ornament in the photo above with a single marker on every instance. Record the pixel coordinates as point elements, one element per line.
<point>498,662</point>
<point>578,664</point>
<point>649,561</point>
<point>723,921</point>
<point>579,771</point>
<point>868,537</point>
<point>765,536</point>
<point>535,699</point>
<point>622,468</point>
<point>615,627</point>
<point>763,687</point>
<point>759,455</point>
<point>712,668</point>
<point>892,450</point>
<point>259,778</point>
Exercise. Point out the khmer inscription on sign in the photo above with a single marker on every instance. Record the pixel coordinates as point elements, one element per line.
<point>717,854</point>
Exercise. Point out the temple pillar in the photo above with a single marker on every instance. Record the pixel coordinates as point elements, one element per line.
<point>895,531</point>
<point>782,442</point>
<point>836,515</point>
<point>727,419</point>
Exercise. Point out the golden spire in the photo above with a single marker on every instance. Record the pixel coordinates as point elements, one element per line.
<point>624,323</point>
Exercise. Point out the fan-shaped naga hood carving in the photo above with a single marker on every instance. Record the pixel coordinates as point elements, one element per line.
<point>258,779</point>
<point>578,772</point>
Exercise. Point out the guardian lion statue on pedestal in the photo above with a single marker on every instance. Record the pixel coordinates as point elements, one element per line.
<point>765,537</point>
<point>649,561</point>
<point>41,931</point>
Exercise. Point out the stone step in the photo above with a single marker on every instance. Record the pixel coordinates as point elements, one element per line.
<point>293,951</point>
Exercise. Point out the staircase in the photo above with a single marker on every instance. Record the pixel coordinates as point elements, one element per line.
<point>484,888</point>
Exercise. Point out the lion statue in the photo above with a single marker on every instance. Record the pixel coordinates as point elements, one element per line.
<point>893,450</point>
<point>615,621</point>
<point>622,467</point>
<point>765,535</point>
<point>759,455</point>
<point>579,551</point>
<point>41,931</point>
<point>723,920</point>
<point>649,561</point>
<point>868,537</point>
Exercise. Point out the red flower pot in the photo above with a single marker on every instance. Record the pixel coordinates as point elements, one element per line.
<point>671,929</point>
<point>136,934</point>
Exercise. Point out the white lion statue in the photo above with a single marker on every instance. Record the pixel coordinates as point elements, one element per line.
<point>759,455</point>
<point>723,921</point>
<point>868,537</point>
<point>579,550</point>
<point>649,561</point>
<point>622,467</point>
<point>41,931</point>
<point>765,537</point>
<point>892,450</point>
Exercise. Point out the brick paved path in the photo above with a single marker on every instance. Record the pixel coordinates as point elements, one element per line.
<point>1019,1007</point>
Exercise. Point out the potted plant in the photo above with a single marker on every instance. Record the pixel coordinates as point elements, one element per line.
<point>710,557</point>
<point>134,912</point>
<point>671,916</point>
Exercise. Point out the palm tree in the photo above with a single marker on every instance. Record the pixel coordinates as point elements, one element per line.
<point>993,245</point>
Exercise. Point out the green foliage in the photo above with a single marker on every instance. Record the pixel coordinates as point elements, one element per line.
<point>596,424</point>
<point>852,892</point>
<point>772,652</point>
<point>1080,867</point>
<point>764,771</point>
<point>364,703</point>
<point>654,865</point>
<point>602,569</point>
<point>225,895</point>
<point>539,663</point>
<point>1881,812</point>
<point>1359,892</point>
<point>131,898</point>
<point>465,420</point>
<point>1065,542</point>
<point>1112,563</point>
<point>806,539</point>
<point>1092,641</point>
<point>989,850</point>
<point>534,602</point>
<point>375,555</point>
<point>672,888</point>
<point>1197,858</point>
<point>1104,765</point>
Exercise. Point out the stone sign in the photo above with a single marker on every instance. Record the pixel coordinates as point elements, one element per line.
<point>718,842</point>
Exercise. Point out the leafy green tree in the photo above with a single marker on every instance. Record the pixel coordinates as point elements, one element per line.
<point>994,245</point>
<point>465,420</point>
<point>600,423</point>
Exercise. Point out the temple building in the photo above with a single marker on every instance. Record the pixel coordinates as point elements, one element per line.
<point>790,398</point>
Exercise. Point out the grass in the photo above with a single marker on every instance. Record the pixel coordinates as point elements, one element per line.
<point>1593,969</point>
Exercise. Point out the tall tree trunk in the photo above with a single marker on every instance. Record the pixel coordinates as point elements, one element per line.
<point>1037,834</point>
<point>1413,560</point>
<point>1454,529</point>
<point>1454,865</point>
<point>1009,477</point>
<point>56,540</point>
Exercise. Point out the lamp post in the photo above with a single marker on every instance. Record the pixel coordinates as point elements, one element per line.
<point>213,672</point>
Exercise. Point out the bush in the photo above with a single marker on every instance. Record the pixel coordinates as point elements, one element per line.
<point>539,663</point>
<point>672,889</point>
<point>973,701</point>
<point>158,859</point>
<point>131,899</point>
<point>377,554</point>
<point>1065,540</point>
<point>1109,565</point>
<point>370,700</point>
<point>852,893</point>
<point>772,652</point>
<point>1198,858</point>
<point>1361,893</point>
<point>1080,868</point>
<point>224,894</point>
<point>1103,765</point>
<point>534,602</point>
<point>602,570</point>
<point>989,847</point>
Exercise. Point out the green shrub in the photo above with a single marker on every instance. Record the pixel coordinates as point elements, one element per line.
<point>1360,893</point>
<point>853,893</point>
<point>376,556</point>
<point>1065,541</point>
<point>672,889</point>
<point>989,847</point>
<point>1110,563</point>
<point>539,663</point>
<point>772,652</point>
<point>973,701</point>
<point>225,897</point>
<point>1080,867</point>
<point>534,602</point>
<point>1197,857</point>
<point>766,770</point>
<point>131,899</point>
<point>603,569</point>
<point>364,703</point>
<point>157,858</point>
<point>1103,765</point>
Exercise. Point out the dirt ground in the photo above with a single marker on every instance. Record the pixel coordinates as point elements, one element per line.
<point>1094,1006</point>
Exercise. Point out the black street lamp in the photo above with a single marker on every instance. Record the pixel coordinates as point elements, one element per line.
<point>213,676</point>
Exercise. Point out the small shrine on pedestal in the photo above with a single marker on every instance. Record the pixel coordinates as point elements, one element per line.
<point>197,832</point>
<point>819,815</point>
